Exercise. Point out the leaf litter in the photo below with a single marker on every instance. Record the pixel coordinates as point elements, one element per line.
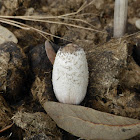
<point>88,123</point>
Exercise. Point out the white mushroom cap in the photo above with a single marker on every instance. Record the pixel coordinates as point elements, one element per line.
<point>70,74</point>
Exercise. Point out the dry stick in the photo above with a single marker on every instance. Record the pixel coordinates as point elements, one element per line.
<point>62,23</point>
<point>74,13</point>
<point>13,24</point>
<point>7,127</point>
<point>44,17</point>
<point>33,18</point>
<point>43,35</point>
<point>79,10</point>
<point>48,34</point>
<point>83,14</point>
<point>27,27</point>
<point>120,17</point>
<point>18,24</point>
<point>76,19</point>
<point>67,24</point>
<point>131,34</point>
<point>47,17</point>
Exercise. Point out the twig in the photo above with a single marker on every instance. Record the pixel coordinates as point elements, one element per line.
<point>74,13</point>
<point>16,23</point>
<point>13,24</point>
<point>7,127</point>
<point>62,23</point>
<point>9,20</point>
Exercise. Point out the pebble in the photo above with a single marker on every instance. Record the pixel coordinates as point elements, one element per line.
<point>137,23</point>
<point>6,35</point>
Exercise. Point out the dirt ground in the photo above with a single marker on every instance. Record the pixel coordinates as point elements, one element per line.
<point>114,64</point>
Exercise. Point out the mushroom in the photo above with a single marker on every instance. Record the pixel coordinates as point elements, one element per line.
<point>70,74</point>
<point>120,17</point>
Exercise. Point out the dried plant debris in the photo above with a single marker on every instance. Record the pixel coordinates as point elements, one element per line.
<point>5,114</point>
<point>130,77</point>
<point>40,136</point>
<point>119,101</point>
<point>91,124</point>
<point>114,80</point>
<point>105,64</point>
<point>42,89</point>
<point>13,70</point>
<point>36,123</point>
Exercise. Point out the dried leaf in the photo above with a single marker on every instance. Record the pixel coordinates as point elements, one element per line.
<point>50,51</point>
<point>88,123</point>
<point>6,35</point>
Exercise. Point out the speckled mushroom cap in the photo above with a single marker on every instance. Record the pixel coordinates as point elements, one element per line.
<point>70,74</point>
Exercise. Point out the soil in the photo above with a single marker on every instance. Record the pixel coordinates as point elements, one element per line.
<point>114,64</point>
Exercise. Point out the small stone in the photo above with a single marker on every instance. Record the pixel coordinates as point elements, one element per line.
<point>137,23</point>
<point>6,35</point>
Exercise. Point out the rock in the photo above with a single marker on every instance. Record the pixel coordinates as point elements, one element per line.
<point>6,35</point>
<point>13,71</point>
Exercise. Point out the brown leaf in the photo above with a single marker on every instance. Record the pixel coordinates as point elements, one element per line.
<point>88,123</point>
<point>50,51</point>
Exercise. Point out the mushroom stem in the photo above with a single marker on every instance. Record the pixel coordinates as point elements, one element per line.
<point>120,17</point>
